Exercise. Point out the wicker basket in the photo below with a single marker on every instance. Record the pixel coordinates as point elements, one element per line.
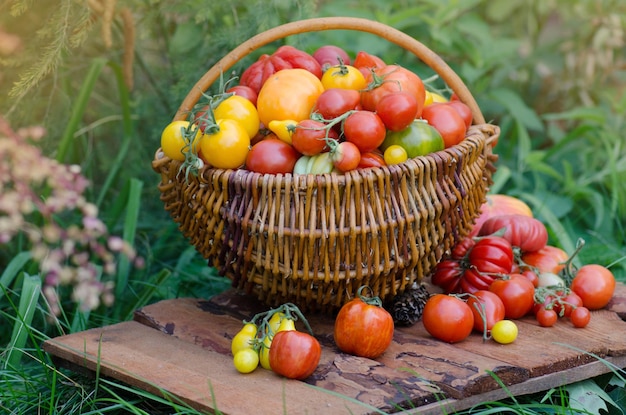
<point>315,239</point>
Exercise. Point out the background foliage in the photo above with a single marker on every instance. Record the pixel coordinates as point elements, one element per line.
<point>550,73</point>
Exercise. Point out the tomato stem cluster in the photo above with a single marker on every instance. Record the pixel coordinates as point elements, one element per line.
<point>287,311</point>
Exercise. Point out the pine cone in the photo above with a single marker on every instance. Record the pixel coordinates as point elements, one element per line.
<point>406,308</point>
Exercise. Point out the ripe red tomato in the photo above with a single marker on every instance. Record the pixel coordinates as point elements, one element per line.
<point>447,318</point>
<point>245,92</point>
<point>517,294</point>
<point>294,354</point>
<point>365,129</point>
<point>346,156</point>
<point>272,156</point>
<point>397,110</point>
<point>487,308</point>
<point>595,285</point>
<point>330,55</point>
<point>363,328</point>
<point>569,302</point>
<point>392,78</point>
<point>547,259</point>
<point>365,62</point>
<point>492,254</point>
<point>309,137</point>
<point>464,111</point>
<point>447,121</point>
<point>334,102</point>
<point>580,317</point>
<point>448,275</point>
<point>530,276</point>
<point>546,317</point>
<point>371,159</point>
<point>499,204</point>
<point>529,234</point>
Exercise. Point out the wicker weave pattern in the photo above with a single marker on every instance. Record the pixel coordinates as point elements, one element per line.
<point>315,239</point>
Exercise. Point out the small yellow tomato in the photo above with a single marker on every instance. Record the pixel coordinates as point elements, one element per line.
<point>244,338</point>
<point>226,148</point>
<point>283,129</point>
<point>264,353</point>
<point>246,360</point>
<point>240,109</point>
<point>286,324</point>
<point>504,331</point>
<point>343,77</point>
<point>176,139</point>
<point>395,154</point>
<point>432,97</point>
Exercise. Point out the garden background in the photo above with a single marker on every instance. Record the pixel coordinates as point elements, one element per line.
<point>87,87</point>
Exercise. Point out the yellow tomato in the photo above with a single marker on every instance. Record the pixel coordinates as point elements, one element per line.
<point>344,77</point>
<point>226,148</point>
<point>395,154</point>
<point>246,360</point>
<point>504,331</point>
<point>264,353</point>
<point>289,94</point>
<point>283,129</point>
<point>240,109</point>
<point>176,140</point>
<point>244,338</point>
<point>432,97</point>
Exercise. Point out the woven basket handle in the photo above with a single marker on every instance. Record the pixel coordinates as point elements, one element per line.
<point>429,57</point>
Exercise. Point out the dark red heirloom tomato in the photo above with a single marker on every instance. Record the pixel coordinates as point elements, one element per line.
<point>529,234</point>
<point>447,318</point>
<point>294,354</point>
<point>492,254</point>
<point>331,55</point>
<point>271,156</point>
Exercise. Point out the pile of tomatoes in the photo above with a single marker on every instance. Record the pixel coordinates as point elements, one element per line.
<point>507,271</point>
<point>294,112</point>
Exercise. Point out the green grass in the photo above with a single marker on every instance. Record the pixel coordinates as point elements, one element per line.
<point>561,150</point>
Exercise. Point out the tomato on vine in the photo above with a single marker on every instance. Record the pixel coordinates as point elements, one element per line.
<point>517,294</point>
<point>335,102</point>
<point>580,317</point>
<point>179,138</point>
<point>346,156</point>
<point>226,146</point>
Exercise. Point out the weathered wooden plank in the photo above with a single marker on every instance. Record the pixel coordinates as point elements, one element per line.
<point>156,362</point>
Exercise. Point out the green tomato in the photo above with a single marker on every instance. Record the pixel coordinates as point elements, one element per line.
<point>317,164</point>
<point>418,139</point>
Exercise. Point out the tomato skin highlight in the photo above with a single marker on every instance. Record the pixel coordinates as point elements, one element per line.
<point>294,354</point>
<point>595,285</point>
<point>447,318</point>
<point>363,329</point>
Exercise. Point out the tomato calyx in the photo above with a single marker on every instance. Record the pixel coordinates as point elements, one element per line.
<point>371,299</point>
<point>569,271</point>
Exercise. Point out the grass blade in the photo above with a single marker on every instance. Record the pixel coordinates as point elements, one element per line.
<point>29,297</point>
<point>12,270</point>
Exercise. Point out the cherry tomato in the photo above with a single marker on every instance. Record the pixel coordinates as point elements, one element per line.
<point>547,259</point>
<point>174,142</point>
<point>226,148</point>
<point>397,110</point>
<point>289,94</point>
<point>239,109</point>
<point>245,92</point>
<point>464,111</point>
<point>504,331</point>
<point>371,159</point>
<point>330,55</point>
<point>246,360</point>
<point>334,102</point>
<point>529,234</point>
<point>487,308</point>
<point>294,354</point>
<point>346,156</point>
<point>395,154</point>
<point>595,285</point>
<point>546,317</point>
<point>363,328</point>
<point>447,121</point>
<point>309,137</point>
<point>530,276</point>
<point>345,77</point>
<point>367,61</point>
<point>580,317</point>
<point>570,302</point>
<point>283,129</point>
<point>499,204</point>
<point>365,129</point>
<point>272,156</point>
<point>388,79</point>
<point>418,139</point>
<point>517,294</point>
<point>447,318</point>
<point>243,339</point>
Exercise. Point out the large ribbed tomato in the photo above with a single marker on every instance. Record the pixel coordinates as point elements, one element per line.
<point>500,204</point>
<point>289,94</point>
<point>528,234</point>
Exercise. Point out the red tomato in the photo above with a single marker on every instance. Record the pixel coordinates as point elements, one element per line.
<point>271,156</point>
<point>492,254</point>
<point>363,328</point>
<point>595,285</point>
<point>309,137</point>
<point>285,57</point>
<point>580,317</point>
<point>448,275</point>
<point>462,247</point>
<point>517,294</point>
<point>570,302</point>
<point>245,92</point>
<point>346,156</point>
<point>529,234</point>
<point>447,318</point>
<point>392,78</point>
<point>330,55</point>
<point>546,317</point>
<point>367,62</point>
<point>447,121</point>
<point>397,110</point>
<point>464,111</point>
<point>334,102</point>
<point>294,354</point>
<point>488,309</point>
<point>547,259</point>
<point>499,204</point>
<point>530,276</point>
<point>365,129</point>
<point>371,159</point>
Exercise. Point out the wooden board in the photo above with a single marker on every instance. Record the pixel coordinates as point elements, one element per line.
<point>182,347</point>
